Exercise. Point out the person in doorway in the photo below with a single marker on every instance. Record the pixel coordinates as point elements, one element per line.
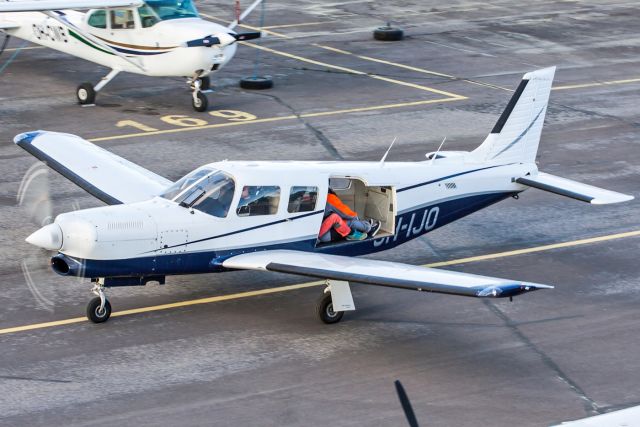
<point>360,229</point>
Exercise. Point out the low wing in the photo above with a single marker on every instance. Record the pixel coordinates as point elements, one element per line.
<point>45,5</point>
<point>101,173</point>
<point>380,273</point>
<point>573,189</point>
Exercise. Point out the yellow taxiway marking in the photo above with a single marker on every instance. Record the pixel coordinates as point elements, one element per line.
<point>248,27</point>
<point>13,49</point>
<point>634,233</point>
<point>274,119</point>
<point>593,84</point>
<point>303,24</point>
<point>356,72</point>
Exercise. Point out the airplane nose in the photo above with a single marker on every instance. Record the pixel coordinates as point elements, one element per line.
<point>48,237</point>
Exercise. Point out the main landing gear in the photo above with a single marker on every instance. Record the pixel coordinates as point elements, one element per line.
<point>324,309</point>
<point>99,308</point>
<point>86,92</point>
<point>199,85</point>
<point>335,300</point>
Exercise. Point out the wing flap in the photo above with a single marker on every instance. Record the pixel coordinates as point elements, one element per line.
<point>574,189</point>
<point>45,5</point>
<point>380,273</point>
<point>101,173</point>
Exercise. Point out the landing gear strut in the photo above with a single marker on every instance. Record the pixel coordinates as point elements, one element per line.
<point>199,100</point>
<point>86,92</point>
<point>99,308</point>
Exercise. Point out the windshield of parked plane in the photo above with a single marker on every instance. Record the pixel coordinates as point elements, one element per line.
<point>185,182</point>
<point>173,9</point>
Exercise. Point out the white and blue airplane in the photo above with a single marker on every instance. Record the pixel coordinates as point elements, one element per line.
<point>160,38</point>
<point>246,215</point>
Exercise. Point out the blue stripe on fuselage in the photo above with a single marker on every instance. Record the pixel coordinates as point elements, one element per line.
<point>409,225</point>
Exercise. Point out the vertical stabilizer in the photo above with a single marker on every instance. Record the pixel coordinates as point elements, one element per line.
<point>516,134</point>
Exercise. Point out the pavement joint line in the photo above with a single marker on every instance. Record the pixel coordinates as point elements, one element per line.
<point>208,300</point>
<point>275,119</point>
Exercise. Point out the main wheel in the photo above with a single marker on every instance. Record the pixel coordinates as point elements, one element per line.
<point>205,83</point>
<point>86,94</point>
<point>324,310</point>
<point>95,314</point>
<point>200,103</point>
<point>256,83</point>
<point>388,34</point>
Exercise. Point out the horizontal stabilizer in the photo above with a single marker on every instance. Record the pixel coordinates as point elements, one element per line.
<point>573,189</point>
<point>99,172</point>
<point>380,273</point>
<point>45,5</point>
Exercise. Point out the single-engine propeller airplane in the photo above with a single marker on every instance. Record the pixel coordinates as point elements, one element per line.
<point>245,215</point>
<point>160,38</point>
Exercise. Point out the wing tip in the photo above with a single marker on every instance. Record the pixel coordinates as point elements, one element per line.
<point>27,137</point>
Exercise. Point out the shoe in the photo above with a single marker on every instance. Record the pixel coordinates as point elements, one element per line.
<point>356,235</point>
<point>375,227</point>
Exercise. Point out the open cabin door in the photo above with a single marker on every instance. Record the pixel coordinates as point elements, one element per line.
<point>369,202</point>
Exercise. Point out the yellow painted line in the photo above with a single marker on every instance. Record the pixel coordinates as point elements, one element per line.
<point>409,67</point>
<point>209,300</point>
<point>303,24</point>
<point>13,49</point>
<point>274,119</point>
<point>356,72</point>
<point>248,27</point>
<point>594,84</point>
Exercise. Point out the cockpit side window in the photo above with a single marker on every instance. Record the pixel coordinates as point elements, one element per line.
<point>122,19</point>
<point>148,17</point>
<point>185,182</point>
<point>258,200</point>
<point>302,199</point>
<point>98,19</point>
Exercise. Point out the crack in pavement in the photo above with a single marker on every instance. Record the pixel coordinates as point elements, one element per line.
<point>590,406</point>
<point>324,141</point>
<point>11,377</point>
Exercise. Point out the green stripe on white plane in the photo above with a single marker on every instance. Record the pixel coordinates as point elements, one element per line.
<point>87,42</point>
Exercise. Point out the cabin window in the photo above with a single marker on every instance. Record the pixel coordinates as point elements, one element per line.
<point>258,200</point>
<point>148,18</point>
<point>173,9</point>
<point>98,19</point>
<point>302,199</point>
<point>122,19</point>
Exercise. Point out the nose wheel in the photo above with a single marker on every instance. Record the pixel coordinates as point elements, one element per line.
<point>199,100</point>
<point>99,308</point>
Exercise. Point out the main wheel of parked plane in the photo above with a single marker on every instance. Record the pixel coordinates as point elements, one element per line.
<point>200,102</point>
<point>324,310</point>
<point>97,315</point>
<point>86,94</point>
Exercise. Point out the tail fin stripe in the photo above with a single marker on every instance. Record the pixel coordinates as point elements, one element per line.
<point>512,103</point>
<point>524,132</point>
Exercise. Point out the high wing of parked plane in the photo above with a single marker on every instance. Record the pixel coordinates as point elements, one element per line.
<point>161,38</point>
<point>244,215</point>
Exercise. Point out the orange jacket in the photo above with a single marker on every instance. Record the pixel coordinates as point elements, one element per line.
<point>337,204</point>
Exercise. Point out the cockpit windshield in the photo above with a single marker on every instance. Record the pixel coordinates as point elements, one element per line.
<point>172,9</point>
<point>207,190</point>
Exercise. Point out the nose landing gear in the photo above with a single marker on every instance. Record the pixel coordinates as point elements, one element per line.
<point>99,308</point>
<point>199,100</point>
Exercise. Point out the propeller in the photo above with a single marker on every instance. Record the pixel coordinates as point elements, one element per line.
<point>223,39</point>
<point>34,198</point>
<point>406,404</point>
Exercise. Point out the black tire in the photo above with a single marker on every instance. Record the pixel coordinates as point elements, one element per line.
<point>205,83</point>
<point>256,83</point>
<point>324,310</point>
<point>93,311</point>
<point>388,34</point>
<point>86,94</point>
<point>201,104</point>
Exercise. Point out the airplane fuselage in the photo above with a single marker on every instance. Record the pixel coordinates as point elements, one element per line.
<point>159,49</point>
<point>159,237</point>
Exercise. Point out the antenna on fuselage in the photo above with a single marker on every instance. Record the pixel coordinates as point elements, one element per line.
<point>387,152</point>
<point>438,150</point>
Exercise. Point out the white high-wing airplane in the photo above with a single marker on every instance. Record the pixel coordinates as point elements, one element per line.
<point>266,215</point>
<point>161,38</point>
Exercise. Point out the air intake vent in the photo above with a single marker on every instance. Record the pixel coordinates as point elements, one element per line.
<point>125,225</point>
<point>450,185</point>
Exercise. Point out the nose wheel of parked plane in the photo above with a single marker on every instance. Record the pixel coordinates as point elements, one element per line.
<point>199,100</point>
<point>324,309</point>
<point>99,308</point>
